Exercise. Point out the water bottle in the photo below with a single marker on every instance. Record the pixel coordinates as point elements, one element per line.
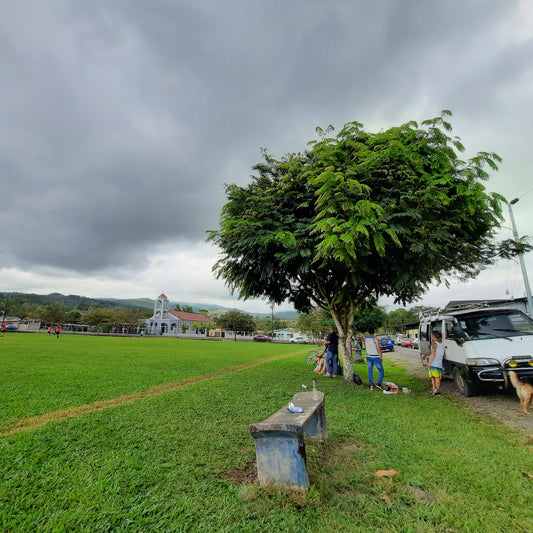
<point>315,391</point>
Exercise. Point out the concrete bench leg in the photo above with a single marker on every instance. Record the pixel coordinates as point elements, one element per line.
<point>281,461</point>
<point>316,430</point>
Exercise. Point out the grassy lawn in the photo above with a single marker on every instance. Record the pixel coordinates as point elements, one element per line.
<point>177,461</point>
<point>40,373</point>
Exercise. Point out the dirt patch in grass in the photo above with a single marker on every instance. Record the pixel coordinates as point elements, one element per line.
<point>421,495</point>
<point>246,476</point>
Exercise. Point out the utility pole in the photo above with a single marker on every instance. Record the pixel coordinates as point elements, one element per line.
<point>521,259</point>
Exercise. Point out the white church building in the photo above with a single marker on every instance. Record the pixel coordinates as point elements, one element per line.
<point>171,323</point>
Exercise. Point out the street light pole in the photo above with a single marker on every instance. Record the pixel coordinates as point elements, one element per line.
<point>521,259</point>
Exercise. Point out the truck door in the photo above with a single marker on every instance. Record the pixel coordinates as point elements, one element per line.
<point>424,339</point>
<point>454,351</point>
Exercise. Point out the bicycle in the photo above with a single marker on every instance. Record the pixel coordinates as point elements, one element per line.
<point>311,358</point>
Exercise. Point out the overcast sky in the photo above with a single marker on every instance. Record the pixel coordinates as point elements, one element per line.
<point>121,121</point>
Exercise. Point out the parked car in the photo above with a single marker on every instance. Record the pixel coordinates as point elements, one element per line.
<point>299,340</point>
<point>398,339</point>
<point>408,343</point>
<point>415,344</point>
<point>386,343</point>
<point>262,338</point>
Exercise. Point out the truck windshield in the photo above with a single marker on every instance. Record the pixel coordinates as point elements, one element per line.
<point>489,325</point>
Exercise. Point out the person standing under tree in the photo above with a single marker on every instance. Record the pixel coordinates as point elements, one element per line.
<point>435,363</point>
<point>332,355</point>
<point>374,358</point>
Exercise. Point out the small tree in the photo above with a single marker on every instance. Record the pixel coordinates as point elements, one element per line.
<point>203,326</point>
<point>53,314</point>
<point>99,316</point>
<point>74,317</point>
<point>236,321</point>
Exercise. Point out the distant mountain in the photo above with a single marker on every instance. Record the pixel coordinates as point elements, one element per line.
<point>75,302</point>
<point>286,315</point>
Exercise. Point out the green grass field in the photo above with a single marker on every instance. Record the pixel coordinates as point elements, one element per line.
<point>182,460</point>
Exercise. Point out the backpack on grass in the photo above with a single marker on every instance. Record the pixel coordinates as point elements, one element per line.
<point>357,379</point>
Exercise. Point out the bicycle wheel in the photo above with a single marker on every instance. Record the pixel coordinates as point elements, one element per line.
<point>312,357</point>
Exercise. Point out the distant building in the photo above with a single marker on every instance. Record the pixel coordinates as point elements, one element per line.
<point>284,334</point>
<point>171,323</point>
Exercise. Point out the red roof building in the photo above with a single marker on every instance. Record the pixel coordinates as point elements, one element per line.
<point>172,323</point>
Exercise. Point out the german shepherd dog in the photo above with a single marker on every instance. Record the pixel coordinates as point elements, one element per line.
<point>523,390</point>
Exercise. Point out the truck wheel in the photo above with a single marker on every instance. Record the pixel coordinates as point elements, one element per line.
<point>465,388</point>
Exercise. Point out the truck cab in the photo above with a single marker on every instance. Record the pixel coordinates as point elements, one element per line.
<point>482,345</point>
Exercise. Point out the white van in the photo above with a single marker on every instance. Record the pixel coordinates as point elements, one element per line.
<point>482,345</point>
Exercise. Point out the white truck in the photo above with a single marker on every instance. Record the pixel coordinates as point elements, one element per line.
<point>482,345</point>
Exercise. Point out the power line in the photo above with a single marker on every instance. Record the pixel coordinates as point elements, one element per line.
<point>527,192</point>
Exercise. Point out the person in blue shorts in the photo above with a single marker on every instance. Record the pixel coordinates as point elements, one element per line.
<point>435,362</point>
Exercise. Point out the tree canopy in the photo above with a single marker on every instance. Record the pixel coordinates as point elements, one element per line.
<point>359,216</point>
<point>236,321</point>
<point>369,318</point>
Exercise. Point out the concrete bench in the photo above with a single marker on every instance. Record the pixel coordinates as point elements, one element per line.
<point>280,441</point>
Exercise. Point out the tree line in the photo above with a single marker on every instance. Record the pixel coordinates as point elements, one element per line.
<point>315,322</point>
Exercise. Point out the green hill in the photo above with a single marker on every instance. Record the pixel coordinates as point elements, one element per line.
<point>74,302</point>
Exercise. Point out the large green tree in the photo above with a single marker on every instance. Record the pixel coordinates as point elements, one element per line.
<point>359,216</point>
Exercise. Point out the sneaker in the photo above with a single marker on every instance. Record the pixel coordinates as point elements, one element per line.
<point>327,374</point>
<point>379,387</point>
<point>437,393</point>
<point>334,375</point>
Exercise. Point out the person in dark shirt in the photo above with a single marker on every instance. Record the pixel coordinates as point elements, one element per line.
<point>332,355</point>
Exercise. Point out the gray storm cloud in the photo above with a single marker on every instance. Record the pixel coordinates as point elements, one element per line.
<point>122,120</point>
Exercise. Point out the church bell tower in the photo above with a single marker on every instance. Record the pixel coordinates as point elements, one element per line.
<point>161,307</point>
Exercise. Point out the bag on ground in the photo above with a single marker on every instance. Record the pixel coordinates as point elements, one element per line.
<point>357,379</point>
